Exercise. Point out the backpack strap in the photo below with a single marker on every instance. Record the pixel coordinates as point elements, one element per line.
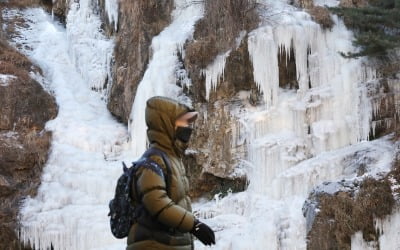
<point>155,167</point>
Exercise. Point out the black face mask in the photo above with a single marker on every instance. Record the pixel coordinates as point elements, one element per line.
<point>183,133</point>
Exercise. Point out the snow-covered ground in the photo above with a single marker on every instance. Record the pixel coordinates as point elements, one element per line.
<point>296,140</point>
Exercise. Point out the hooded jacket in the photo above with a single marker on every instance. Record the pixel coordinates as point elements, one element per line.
<point>166,219</point>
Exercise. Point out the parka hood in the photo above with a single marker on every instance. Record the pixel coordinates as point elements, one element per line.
<point>161,114</point>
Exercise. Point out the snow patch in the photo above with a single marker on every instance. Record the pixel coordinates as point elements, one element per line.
<point>6,79</point>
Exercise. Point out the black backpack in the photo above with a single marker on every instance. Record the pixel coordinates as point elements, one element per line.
<point>124,207</point>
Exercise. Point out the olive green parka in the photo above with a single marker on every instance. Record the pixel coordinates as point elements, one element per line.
<point>166,220</point>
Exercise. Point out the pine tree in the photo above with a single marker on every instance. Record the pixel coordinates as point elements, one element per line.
<point>376,26</point>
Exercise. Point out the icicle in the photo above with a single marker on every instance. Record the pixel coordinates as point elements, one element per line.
<point>214,72</point>
<point>263,52</point>
<point>111,7</point>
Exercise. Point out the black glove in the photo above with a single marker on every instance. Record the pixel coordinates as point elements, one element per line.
<point>203,232</point>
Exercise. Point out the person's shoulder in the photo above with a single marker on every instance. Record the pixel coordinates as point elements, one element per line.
<point>153,163</point>
<point>159,161</point>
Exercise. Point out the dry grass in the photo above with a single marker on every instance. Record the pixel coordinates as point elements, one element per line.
<point>14,63</point>
<point>342,215</point>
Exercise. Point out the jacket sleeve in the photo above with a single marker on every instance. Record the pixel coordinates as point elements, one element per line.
<point>152,191</point>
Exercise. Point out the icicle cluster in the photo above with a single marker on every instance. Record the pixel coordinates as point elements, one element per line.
<point>214,72</point>
<point>111,7</point>
<point>328,111</point>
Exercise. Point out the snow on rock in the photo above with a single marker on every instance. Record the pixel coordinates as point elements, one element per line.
<point>160,75</point>
<point>71,206</point>
<point>6,79</point>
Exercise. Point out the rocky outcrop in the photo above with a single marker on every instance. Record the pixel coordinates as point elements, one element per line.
<point>139,22</point>
<point>59,7</point>
<point>217,161</point>
<point>319,14</point>
<point>25,107</point>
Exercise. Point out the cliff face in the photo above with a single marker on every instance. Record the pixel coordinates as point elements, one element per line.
<point>25,107</point>
<point>220,38</point>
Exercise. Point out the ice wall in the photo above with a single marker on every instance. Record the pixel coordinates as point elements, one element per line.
<point>71,206</point>
<point>160,75</point>
<point>298,138</point>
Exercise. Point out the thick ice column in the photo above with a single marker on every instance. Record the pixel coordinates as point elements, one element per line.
<point>263,52</point>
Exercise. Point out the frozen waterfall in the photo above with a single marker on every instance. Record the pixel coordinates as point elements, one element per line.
<point>70,209</point>
<point>296,139</point>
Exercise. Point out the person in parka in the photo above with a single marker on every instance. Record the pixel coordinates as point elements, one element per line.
<point>166,221</point>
